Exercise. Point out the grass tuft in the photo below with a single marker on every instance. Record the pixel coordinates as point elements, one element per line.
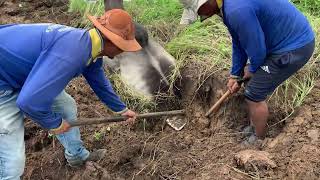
<point>133,99</point>
<point>310,6</point>
<point>84,7</point>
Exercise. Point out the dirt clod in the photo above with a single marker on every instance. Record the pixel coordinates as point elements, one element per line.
<point>313,135</point>
<point>251,159</point>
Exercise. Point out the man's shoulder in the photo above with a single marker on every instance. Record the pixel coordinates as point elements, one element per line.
<point>236,6</point>
<point>70,43</point>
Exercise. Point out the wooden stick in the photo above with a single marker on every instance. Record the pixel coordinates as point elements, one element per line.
<point>216,106</point>
<point>90,121</point>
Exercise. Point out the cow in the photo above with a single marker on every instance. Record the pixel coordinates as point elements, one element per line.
<point>147,70</point>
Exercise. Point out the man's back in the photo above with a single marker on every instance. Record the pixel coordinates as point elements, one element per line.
<point>22,44</point>
<point>285,28</point>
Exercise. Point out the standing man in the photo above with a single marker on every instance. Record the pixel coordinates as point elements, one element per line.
<point>274,35</point>
<point>37,61</point>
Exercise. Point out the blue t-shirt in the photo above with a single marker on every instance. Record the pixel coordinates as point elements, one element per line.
<point>39,60</point>
<point>262,27</point>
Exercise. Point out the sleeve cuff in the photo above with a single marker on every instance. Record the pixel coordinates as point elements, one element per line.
<point>57,128</point>
<point>235,77</point>
<point>123,111</point>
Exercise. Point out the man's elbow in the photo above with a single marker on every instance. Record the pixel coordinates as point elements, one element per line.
<point>24,103</point>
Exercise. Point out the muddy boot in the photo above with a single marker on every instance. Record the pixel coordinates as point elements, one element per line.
<point>97,155</point>
<point>248,131</point>
<point>253,140</point>
<point>94,156</point>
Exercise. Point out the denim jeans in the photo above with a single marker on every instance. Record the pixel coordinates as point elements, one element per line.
<point>12,147</point>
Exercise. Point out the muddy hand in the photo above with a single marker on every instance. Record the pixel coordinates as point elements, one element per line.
<point>233,85</point>
<point>64,127</point>
<point>131,116</point>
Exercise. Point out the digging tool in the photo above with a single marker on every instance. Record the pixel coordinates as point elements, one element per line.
<point>174,123</point>
<point>227,94</point>
<point>216,106</point>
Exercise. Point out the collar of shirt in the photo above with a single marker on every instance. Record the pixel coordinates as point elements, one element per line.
<point>219,2</point>
<point>96,44</point>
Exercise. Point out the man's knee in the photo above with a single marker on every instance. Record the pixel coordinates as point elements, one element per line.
<point>65,105</point>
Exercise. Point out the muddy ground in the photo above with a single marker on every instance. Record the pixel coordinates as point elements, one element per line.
<point>204,149</point>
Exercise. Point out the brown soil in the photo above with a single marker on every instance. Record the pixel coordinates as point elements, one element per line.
<point>204,149</point>
<point>31,11</point>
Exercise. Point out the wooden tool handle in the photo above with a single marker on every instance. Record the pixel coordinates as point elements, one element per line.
<point>90,121</point>
<point>216,106</point>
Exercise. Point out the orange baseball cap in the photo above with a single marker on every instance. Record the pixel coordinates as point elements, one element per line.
<point>118,27</point>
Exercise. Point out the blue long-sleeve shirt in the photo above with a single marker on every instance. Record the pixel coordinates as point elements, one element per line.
<point>262,27</point>
<point>39,60</point>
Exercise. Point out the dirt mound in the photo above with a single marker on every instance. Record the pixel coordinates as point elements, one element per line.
<point>204,149</point>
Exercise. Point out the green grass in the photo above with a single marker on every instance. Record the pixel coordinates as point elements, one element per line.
<point>82,7</point>
<point>310,6</point>
<point>160,17</point>
<point>292,93</point>
<point>208,41</point>
<point>77,6</point>
<point>134,100</point>
<point>150,12</point>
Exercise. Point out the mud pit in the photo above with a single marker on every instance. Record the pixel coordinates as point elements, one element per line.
<point>204,149</point>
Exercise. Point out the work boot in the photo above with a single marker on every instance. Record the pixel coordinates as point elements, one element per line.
<point>248,130</point>
<point>253,140</point>
<point>96,155</point>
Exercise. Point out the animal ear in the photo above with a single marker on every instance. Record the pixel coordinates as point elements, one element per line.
<point>141,35</point>
<point>113,4</point>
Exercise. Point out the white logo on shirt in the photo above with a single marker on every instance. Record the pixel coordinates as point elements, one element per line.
<point>61,28</point>
<point>265,68</point>
<point>52,27</point>
<point>66,28</point>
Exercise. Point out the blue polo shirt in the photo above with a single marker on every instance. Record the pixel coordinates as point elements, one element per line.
<point>263,27</point>
<point>39,60</point>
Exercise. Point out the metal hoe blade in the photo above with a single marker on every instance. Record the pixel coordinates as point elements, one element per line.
<point>176,122</point>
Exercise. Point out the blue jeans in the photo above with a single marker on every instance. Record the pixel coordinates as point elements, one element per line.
<point>12,147</point>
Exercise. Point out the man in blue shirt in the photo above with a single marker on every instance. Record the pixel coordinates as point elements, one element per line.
<point>37,61</point>
<point>276,38</point>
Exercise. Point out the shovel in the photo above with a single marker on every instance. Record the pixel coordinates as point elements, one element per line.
<point>175,122</point>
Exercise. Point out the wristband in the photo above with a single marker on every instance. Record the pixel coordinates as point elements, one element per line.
<point>58,128</point>
<point>123,111</point>
<point>235,77</point>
